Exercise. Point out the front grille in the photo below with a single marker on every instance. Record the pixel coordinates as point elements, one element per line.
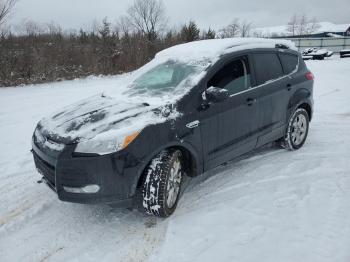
<point>44,168</point>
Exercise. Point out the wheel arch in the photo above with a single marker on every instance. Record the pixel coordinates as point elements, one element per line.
<point>301,99</point>
<point>307,108</point>
<point>193,163</point>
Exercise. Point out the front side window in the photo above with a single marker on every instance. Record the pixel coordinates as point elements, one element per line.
<point>234,77</point>
<point>267,67</point>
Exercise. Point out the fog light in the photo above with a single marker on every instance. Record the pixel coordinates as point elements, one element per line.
<point>90,189</point>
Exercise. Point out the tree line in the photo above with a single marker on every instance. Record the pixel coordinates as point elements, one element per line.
<point>38,53</point>
<point>54,56</point>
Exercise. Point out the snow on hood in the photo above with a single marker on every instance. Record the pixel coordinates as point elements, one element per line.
<point>96,115</point>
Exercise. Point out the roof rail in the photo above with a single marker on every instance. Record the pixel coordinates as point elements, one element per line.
<point>281,46</point>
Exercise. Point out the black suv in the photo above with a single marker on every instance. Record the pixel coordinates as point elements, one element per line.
<point>192,108</point>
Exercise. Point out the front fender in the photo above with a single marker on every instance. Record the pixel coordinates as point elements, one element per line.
<point>181,145</point>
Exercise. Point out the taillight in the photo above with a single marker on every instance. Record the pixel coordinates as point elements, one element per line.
<point>309,76</point>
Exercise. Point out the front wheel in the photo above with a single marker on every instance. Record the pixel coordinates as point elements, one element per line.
<point>162,183</point>
<point>297,130</point>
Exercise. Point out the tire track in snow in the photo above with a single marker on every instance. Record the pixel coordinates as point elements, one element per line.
<point>15,213</point>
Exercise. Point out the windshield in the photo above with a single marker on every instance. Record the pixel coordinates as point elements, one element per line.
<point>166,77</point>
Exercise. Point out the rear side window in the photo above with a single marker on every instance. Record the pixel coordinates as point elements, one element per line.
<point>267,67</point>
<point>289,62</point>
<point>234,76</point>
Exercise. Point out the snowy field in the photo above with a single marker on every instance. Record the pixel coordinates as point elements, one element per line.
<point>272,205</point>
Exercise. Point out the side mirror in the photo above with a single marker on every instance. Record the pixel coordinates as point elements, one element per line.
<point>216,95</point>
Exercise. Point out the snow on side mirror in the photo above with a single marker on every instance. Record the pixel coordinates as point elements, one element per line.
<point>216,94</point>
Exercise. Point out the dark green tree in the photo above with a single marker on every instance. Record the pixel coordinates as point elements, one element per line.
<point>105,30</point>
<point>210,34</point>
<point>190,32</point>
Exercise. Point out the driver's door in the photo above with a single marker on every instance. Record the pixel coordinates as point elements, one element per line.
<point>229,128</point>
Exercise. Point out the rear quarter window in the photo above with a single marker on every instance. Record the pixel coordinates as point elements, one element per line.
<point>267,67</point>
<point>289,62</point>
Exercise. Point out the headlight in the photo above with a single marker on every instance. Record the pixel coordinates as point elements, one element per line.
<point>104,144</point>
<point>38,136</point>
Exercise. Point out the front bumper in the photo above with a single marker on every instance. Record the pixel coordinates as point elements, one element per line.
<point>116,175</point>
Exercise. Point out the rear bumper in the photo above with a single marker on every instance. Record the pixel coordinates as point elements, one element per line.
<point>116,176</point>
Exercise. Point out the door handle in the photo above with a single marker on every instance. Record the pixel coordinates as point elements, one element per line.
<point>251,101</point>
<point>289,87</point>
<point>193,124</point>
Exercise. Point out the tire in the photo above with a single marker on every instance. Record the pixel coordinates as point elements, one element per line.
<point>297,130</point>
<point>162,183</point>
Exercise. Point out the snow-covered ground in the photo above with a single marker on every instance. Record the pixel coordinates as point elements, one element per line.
<point>271,205</point>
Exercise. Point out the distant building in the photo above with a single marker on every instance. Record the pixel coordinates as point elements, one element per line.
<point>325,29</point>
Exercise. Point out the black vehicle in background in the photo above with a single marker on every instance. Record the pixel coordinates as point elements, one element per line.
<point>232,96</point>
<point>316,54</point>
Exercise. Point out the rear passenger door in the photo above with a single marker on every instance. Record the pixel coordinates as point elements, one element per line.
<point>274,92</point>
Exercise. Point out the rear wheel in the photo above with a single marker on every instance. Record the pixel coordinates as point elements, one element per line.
<point>297,130</point>
<point>162,183</point>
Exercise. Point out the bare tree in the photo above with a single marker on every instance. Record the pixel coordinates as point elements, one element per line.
<point>259,34</point>
<point>292,25</point>
<point>231,30</point>
<point>6,7</point>
<point>32,28</point>
<point>53,28</point>
<point>95,26</point>
<point>148,17</point>
<point>123,25</point>
<point>312,26</point>
<point>302,24</point>
<point>245,28</point>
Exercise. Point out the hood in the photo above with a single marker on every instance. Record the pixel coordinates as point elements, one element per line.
<point>98,114</point>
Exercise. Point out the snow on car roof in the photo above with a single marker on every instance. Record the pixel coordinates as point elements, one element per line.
<point>214,48</point>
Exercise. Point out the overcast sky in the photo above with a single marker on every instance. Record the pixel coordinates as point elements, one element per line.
<point>216,13</point>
